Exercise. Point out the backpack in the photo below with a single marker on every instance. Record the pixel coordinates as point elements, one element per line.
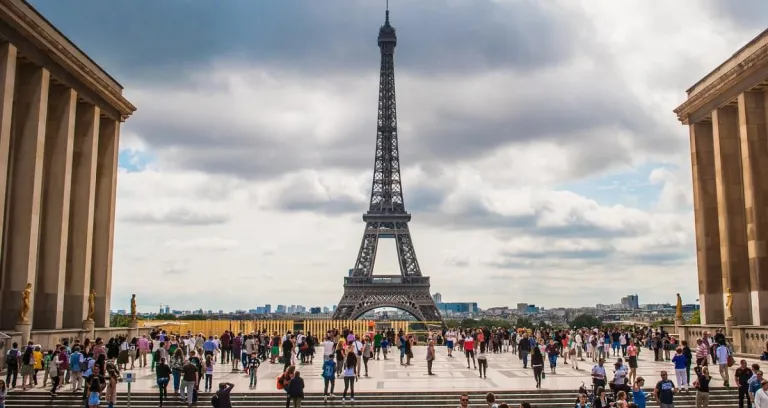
<point>12,358</point>
<point>84,365</point>
<point>215,400</point>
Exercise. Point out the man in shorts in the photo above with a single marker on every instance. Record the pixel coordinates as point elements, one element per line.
<point>450,337</point>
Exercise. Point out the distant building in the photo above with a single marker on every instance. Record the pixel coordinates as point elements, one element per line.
<point>267,308</point>
<point>437,297</point>
<point>522,307</point>
<point>532,309</point>
<point>457,307</point>
<point>280,309</point>
<point>630,302</point>
<point>314,310</point>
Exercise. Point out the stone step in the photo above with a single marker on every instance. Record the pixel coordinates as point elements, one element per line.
<point>719,398</point>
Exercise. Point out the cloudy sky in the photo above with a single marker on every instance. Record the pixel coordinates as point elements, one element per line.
<point>542,160</point>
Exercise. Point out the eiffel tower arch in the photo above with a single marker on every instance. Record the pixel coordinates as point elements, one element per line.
<point>387,218</point>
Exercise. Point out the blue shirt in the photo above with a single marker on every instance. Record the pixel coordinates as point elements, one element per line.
<point>74,362</point>
<point>679,361</point>
<point>329,369</point>
<point>209,345</point>
<point>638,397</point>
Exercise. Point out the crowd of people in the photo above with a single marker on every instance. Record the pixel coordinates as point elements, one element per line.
<point>186,362</point>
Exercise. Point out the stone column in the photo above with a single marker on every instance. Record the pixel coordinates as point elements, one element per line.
<point>753,131</point>
<point>79,248</point>
<point>7,82</point>
<point>59,141</point>
<point>104,218</point>
<point>707,227</point>
<point>730,197</point>
<point>25,189</point>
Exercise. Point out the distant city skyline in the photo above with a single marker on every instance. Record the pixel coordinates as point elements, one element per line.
<point>630,301</point>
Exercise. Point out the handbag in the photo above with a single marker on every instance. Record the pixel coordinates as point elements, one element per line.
<point>731,361</point>
<point>304,347</point>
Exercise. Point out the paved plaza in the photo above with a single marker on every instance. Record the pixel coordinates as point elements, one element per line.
<point>505,372</point>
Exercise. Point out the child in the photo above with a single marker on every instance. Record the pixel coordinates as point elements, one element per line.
<point>296,389</point>
<point>384,346</point>
<point>46,366</point>
<point>253,366</point>
<point>329,371</point>
<point>209,361</point>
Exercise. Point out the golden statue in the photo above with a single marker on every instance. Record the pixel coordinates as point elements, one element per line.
<point>91,304</point>
<point>679,307</point>
<point>133,307</point>
<point>25,304</point>
<point>728,303</point>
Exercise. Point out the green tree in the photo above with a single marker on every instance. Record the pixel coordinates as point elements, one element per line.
<point>117,320</point>
<point>165,316</point>
<point>695,318</point>
<point>663,322</point>
<point>524,322</point>
<point>585,320</point>
<point>452,323</point>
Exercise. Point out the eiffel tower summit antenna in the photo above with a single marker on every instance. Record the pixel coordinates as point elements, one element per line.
<point>387,217</point>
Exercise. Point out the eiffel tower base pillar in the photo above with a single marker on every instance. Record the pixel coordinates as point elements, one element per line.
<point>363,294</point>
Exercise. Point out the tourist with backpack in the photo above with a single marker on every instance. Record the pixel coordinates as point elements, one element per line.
<point>12,363</point>
<point>76,372</point>
<point>296,390</point>
<point>27,367</point>
<point>222,398</point>
<point>329,376</point>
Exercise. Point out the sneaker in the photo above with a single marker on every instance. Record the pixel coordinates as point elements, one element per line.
<point>343,400</point>
<point>352,400</point>
<point>333,395</point>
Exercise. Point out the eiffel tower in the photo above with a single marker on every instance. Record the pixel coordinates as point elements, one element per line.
<point>387,218</point>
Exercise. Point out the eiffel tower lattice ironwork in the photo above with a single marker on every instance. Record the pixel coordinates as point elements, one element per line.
<point>387,218</point>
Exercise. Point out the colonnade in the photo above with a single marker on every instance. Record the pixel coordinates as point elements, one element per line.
<point>58,173</point>
<point>729,155</point>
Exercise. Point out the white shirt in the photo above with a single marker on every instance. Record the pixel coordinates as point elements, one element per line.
<point>761,399</point>
<point>722,355</point>
<point>328,347</point>
<point>598,372</point>
<point>450,336</point>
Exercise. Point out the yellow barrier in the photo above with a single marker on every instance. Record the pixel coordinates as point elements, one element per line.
<point>317,327</point>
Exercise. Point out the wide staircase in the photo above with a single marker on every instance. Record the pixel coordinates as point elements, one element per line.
<point>719,398</point>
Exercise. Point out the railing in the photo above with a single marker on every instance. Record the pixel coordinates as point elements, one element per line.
<point>318,327</point>
<point>386,280</point>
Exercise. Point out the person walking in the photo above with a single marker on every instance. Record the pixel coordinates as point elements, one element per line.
<point>430,357</point>
<point>664,392</point>
<point>722,363</point>
<point>164,373</point>
<point>743,375</point>
<point>679,361</point>
<point>537,363</point>
<point>482,361</point>
<point>329,377</point>
<point>702,386</point>
<point>296,389</point>
<point>350,375</point>
<point>761,396</point>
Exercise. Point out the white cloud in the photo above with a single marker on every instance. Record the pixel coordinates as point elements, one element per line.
<point>269,195</point>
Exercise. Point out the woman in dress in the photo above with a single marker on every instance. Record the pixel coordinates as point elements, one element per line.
<point>123,357</point>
